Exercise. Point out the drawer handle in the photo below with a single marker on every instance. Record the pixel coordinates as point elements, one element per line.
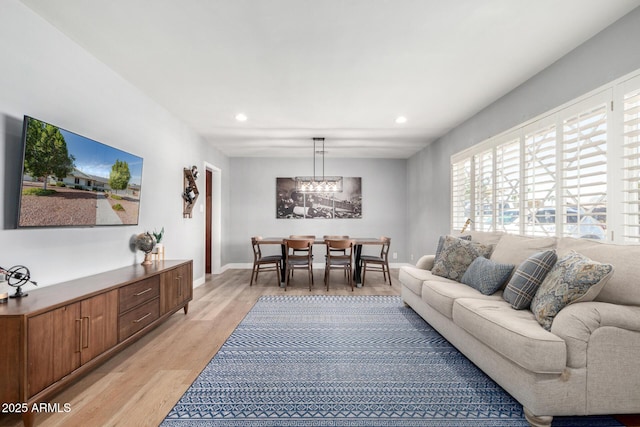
<point>143,292</point>
<point>79,321</point>
<point>88,331</point>
<point>142,318</point>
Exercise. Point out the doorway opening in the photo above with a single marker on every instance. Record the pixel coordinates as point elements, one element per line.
<point>213,219</point>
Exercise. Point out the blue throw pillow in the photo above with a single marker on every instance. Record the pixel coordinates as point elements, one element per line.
<point>527,279</point>
<point>486,276</point>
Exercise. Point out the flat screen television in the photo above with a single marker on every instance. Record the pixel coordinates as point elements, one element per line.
<point>72,181</point>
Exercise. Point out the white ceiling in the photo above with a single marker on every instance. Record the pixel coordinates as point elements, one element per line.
<point>339,69</point>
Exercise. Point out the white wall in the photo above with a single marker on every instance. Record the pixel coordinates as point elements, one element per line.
<point>607,56</point>
<point>253,202</point>
<point>46,75</point>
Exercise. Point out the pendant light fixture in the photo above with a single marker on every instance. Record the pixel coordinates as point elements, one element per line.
<point>315,183</point>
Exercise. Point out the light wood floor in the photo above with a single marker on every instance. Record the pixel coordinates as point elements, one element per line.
<point>141,384</point>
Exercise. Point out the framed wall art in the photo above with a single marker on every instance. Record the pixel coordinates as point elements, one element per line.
<point>293,204</point>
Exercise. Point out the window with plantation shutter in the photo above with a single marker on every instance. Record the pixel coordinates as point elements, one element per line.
<point>631,167</point>
<point>461,193</point>
<point>573,171</point>
<point>584,173</point>
<point>507,200</point>
<point>540,178</point>
<point>483,200</point>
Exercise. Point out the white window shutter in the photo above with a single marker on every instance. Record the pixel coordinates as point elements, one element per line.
<point>584,173</point>
<point>483,171</point>
<point>507,200</point>
<point>540,179</point>
<point>461,185</point>
<point>631,167</point>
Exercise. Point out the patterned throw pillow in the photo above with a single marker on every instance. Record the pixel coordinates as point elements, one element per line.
<point>441,243</point>
<point>574,278</point>
<point>456,256</point>
<point>527,279</point>
<point>486,276</point>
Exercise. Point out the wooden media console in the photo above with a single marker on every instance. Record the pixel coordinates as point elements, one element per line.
<point>61,332</point>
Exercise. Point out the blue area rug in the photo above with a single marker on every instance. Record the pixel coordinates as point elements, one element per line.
<point>345,361</point>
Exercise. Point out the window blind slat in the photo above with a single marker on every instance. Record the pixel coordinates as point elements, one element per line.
<point>631,168</point>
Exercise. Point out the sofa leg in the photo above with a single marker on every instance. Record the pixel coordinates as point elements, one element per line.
<point>537,420</point>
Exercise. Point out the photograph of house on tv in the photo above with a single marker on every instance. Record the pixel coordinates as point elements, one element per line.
<point>69,180</point>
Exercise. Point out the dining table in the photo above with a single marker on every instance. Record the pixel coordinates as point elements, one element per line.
<point>358,243</point>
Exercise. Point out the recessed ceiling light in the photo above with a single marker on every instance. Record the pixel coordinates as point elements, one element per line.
<point>401,119</point>
<point>241,117</point>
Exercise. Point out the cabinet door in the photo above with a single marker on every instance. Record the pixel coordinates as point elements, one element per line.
<point>186,284</point>
<point>53,346</point>
<point>99,324</point>
<point>177,287</point>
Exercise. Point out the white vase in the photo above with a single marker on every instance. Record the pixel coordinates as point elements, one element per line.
<point>159,249</point>
<point>4,290</point>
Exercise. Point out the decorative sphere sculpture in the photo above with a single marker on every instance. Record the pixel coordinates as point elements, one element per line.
<point>145,242</point>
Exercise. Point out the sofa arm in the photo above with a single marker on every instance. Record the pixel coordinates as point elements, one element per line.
<point>576,324</point>
<point>426,262</point>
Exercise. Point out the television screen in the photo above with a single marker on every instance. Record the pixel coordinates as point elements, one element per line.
<point>72,181</point>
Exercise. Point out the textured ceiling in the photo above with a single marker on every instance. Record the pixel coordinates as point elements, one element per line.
<point>338,69</point>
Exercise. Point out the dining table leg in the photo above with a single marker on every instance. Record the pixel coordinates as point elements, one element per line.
<point>283,265</point>
<point>357,277</point>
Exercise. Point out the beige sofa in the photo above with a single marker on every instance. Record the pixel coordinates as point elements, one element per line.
<point>589,363</point>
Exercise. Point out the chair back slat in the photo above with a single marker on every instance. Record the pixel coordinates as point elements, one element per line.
<point>255,244</point>
<point>386,244</point>
<point>339,243</point>
<point>299,249</point>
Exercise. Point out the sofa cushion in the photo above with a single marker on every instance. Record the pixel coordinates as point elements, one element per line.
<point>456,256</point>
<point>515,334</point>
<point>413,277</point>
<point>527,279</point>
<point>574,278</point>
<point>623,287</point>
<point>486,276</point>
<point>441,295</point>
<point>514,249</point>
<point>426,262</point>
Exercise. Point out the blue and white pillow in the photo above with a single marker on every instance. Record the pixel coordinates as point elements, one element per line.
<point>441,243</point>
<point>574,278</point>
<point>486,276</point>
<point>456,256</point>
<point>527,279</point>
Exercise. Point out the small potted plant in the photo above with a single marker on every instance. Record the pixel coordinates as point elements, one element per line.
<point>159,249</point>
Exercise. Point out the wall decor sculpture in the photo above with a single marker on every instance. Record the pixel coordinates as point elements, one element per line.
<point>291,204</point>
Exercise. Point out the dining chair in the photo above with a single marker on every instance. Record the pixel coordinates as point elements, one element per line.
<point>378,263</point>
<point>263,262</point>
<point>340,251</point>
<point>299,255</point>
<point>339,257</point>
<point>301,251</point>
